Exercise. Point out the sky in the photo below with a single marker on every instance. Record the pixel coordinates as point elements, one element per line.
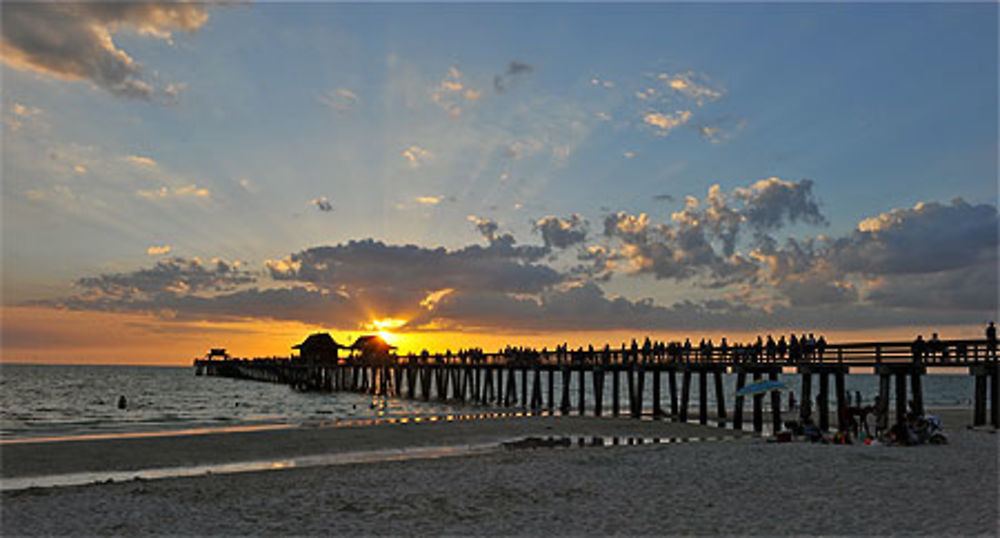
<point>179,176</point>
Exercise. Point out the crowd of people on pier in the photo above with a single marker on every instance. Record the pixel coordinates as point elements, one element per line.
<point>794,349</point>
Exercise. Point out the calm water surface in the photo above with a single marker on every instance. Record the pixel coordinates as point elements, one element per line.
<point>51,401</point>
<point>44,401</point>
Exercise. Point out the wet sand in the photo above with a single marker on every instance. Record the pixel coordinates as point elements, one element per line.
<point>743,486</point>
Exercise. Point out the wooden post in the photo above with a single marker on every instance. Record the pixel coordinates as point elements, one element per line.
<point>488,391</point>
<point>443,396</point>
<point>630,383</point>
<point>511,390</point>
<point>883,398</point>
<point>758,407</point>
<point>410,381</point>
<point>775,406</point>
<point>524,388</point>
<point>477,386</point>
<point>824,401</point>
<point>564,404</point>
<point>672,383</point>
<point>598,390</point>
<point>979,405</point>
<point>581,390</point>
<point>551,388</point>
<point>685,394</point>
<point>741,381</point>
<point>994,371</point>
<point>615,396</point>
<point>501,390</point>
<point>536,392</point>
<point>640,383</point>
<point>900,398</point>
<point>657,408</point>
<point>703,397</point>
<point>916,387</point>
<point>720,398</point>
<point>838,383</point>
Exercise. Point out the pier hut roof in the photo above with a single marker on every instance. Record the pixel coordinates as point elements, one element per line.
<point>372,343</point>
<point>318,341</point>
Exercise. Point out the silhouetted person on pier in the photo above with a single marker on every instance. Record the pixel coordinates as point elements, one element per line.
<point>991,340</point>
<point>687,349</point>
<point>794,351</point>
<point>771,348</point>
<point>820,347</point>
<point>918,348</point>
<point>724,348</point>
<point>782,347</point>
<point>935,347</point>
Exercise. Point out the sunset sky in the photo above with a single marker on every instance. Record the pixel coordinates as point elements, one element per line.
<point>183,176</point>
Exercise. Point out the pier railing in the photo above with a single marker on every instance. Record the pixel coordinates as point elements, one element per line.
<point>526,378</point>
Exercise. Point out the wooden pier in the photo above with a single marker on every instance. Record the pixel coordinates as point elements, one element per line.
<point>526,379</point>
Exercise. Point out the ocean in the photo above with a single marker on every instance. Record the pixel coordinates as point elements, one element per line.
<point>49,401</point>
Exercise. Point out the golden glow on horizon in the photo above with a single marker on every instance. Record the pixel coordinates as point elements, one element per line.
<point>53,336</point>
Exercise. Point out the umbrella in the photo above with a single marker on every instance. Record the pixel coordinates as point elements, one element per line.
<point>761,387</point>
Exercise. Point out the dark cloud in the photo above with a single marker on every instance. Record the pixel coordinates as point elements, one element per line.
<point>487,227</point>
<point>771,203</point>
<point>701,238</point>
<point>875,276</point>
<point>73,40</point>
<point>172,276</point>
<point>515,70</point>
<point>930,237</point>
<point>561,233</point>
<point>969,288</point>
<point>374,267</point>
<point>663,198</point>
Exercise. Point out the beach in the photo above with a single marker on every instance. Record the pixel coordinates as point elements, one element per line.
<point>717,482</point>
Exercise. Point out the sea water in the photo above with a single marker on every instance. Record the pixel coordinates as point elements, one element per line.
<point>67,401</point>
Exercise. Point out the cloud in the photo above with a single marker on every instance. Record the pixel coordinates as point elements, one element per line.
<point>517,67</point>
<point>185,191</point>
<point>515,70</point>
<point>74,40</point>
<point>696,86</point>
<point>972,288</point>
<point>158,250</point>
<point>139,160</point>
<point>770,203</point>
<point>339,99</point>
<point>172,276</point>
<point>322,203</point>
<point>395,280</point>
<point>700,240</point>
<point>428,200</point>
<point>926,238</point>
<point>416,156</point>
<point>451,93</point>
<point>487,227</point>
<point>561,233</point>
<point>667,122</point>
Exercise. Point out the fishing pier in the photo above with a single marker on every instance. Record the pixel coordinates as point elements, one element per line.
<point>527,379</point>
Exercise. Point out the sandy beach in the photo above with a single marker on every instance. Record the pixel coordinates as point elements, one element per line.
<point>740,485</point>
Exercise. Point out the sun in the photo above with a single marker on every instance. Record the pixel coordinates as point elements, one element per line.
<point>383,327</point>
